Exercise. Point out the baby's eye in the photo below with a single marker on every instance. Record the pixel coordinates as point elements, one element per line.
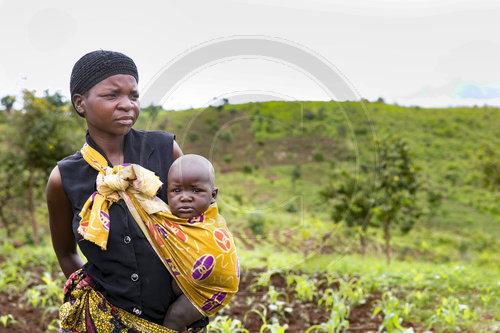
<point>176,190</point>
<point>196,190</point>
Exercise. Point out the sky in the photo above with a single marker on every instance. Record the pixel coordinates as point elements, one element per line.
<point>427,53</point>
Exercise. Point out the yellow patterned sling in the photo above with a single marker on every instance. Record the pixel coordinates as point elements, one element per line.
<point>199,252</point>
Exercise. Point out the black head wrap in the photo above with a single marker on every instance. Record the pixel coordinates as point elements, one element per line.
<point>96,66</point>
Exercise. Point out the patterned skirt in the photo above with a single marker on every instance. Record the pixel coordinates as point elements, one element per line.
<point>86,310</point>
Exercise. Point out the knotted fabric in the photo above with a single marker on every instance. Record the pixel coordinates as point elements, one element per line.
<point>199,252</point>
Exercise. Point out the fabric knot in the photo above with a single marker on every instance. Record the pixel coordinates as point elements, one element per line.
<point>113,181</point>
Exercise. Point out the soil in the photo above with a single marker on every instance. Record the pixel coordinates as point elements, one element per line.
<point>29,318</point>
<point>302,315</point>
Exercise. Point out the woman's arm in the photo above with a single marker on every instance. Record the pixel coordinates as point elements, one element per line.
<point>177,151</point>
<point>60,219</point>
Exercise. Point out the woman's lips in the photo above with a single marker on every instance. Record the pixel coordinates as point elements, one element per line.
<point>125,121</point>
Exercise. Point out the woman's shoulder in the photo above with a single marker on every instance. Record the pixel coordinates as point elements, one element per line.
<point>153,135</point>
<point>71,159</point>
<point>154,139</point>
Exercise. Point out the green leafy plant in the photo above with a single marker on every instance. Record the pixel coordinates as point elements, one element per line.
<point>273,328</point>
<point>8,320</point>
<point>224,324</point>
<point>339,316</point>
<point>260,311</point>
<point>277,301</point>
<point>452,315</point>
<point>393,314</point>
<point>304,288</point>
<point>351,291</point>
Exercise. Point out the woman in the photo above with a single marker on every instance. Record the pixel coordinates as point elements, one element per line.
<point>124,284</point>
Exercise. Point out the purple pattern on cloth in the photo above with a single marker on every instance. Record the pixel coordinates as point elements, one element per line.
<point>214,302</point>
<point>92,198</point>
<point>172,266</point>
<point>104,219</point>
<point>237,267</point>
<point>196,219</point>
<point>161,230</point>
<point>203,267</point>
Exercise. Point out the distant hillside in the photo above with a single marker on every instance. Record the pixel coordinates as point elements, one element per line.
<point>291,132</point>
<point>446,142</point>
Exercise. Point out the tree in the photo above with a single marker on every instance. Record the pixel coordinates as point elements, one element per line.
<point>42,133</point>
<point>395,188</point>
<point>387,199</point>
<point>12,185</point>
<point>8,102</point>
<point>488,161</point>
<point>153,111</point>
<point>351,201</point>
<point>295,175</point>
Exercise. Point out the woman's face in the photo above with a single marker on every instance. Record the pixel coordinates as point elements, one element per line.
<point>111,107</point>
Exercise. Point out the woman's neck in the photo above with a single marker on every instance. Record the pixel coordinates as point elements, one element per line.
<point>111,146</point>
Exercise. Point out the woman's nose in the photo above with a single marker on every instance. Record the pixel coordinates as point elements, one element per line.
<point>125,103</point>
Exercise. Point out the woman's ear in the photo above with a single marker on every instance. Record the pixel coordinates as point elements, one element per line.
<point>215,191</point>
<point>79,102</point>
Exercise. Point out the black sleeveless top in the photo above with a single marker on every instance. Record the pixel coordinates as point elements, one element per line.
<point>129,273</point>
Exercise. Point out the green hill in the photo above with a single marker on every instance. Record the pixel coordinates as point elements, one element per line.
<point>274,137</point>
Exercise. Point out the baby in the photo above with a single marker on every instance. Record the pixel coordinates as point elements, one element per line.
<point>190,193</point>
<point>190,237</point>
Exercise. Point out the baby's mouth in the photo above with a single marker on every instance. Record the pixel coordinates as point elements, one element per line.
<point>185,209</point>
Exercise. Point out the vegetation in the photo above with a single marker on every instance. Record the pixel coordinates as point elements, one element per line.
<point>424,179</point>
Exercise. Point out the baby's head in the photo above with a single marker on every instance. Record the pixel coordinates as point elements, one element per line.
<point>191,187</point>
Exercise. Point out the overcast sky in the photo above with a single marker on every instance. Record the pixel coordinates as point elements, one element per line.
<point>428,53</point>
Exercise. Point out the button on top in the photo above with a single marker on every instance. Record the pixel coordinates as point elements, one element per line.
<point>137,311</point>
<point>134,277</point>
<point>127,239</point>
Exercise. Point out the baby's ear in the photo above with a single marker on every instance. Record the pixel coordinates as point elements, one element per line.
<point>215,191</point>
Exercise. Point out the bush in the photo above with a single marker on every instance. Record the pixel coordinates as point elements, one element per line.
<point>193,137</point>
<point>341,131</point>
<point>226,136</point>
<point>291,208</point>
<point>318,156</point>
<point>247,169</point>
<point>256,222</point>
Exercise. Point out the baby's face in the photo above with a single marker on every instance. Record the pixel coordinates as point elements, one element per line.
<point>189,191</point>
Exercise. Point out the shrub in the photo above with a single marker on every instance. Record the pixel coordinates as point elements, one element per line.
<point>247,169</point>
<point>193,137</point>
<point>318,156</point>
<point>256,222</point>
<point>226,136</point>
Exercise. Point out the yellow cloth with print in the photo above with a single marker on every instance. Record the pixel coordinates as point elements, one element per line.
<point>199,252</point>
<point>85,310</point>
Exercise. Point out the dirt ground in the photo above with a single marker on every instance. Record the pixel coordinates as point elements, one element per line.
<point>302,316</point>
